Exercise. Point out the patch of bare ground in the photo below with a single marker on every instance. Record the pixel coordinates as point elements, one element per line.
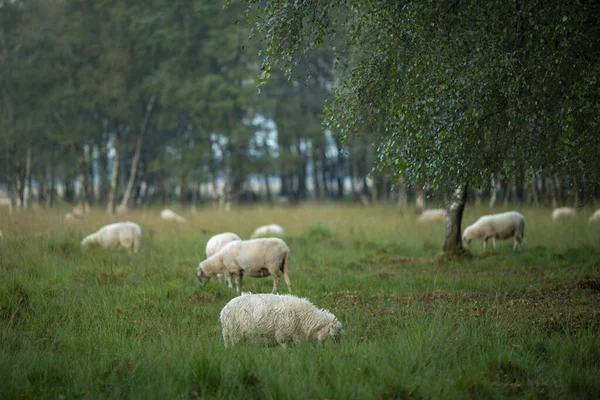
<point>565,309</point>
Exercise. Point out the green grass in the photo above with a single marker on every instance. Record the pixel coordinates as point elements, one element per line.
<point>495,324</point>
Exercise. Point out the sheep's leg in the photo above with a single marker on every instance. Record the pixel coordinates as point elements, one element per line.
<point>518,242</point>
<point>494,242</point>
<point>286,273</point>
<point>238,282</point>
<point>485,243</point>
<point>280,339</point>
<point>227,278</point>
<point>275,282</point>
<point>225,339</point>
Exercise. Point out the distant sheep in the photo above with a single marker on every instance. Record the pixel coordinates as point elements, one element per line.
<point>595,217</point>
<point>170,215</point>
<point>6,202</point>
<point>256,258</point>
<point>272,230</point>
<point>215,244</point>
<point>126,234</point>
<point>436,214</point>
<point>497,226</point>
<point>272,319</point>
<point>563,213</point>
<point>70,216</point>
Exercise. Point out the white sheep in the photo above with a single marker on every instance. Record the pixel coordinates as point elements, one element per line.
<point>5,201</point>
<point>271,319</point>
<point>436,214</point>
<point>497,226</point>
<point>170,215</point>
<point>595,217</point>
<point>215,244</point>
<point>563,213</point>
<point>256,258</point>
<point>126,234</point>
<point>272,230</point>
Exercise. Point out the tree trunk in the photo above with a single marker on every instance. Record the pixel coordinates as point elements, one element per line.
<point>493,191</point>
<point>507,189</point>
<point>51,182</point>
<point>19,178</point>
<point>560,201</point>
<point>520,186</point>
<point>420,201</point>
<point>194,206</point>
<point>136,156</point>
<point>454,214</point>
<point>402,199</point>
<point>340,174</point>
<point>267,187</point>
<point>110,206</point>
<point>183,191</point>
<point>315,171</point>
<point>534,192</point>
<point>324,167</point>
<point>85,178</point>
<point>27,183</point>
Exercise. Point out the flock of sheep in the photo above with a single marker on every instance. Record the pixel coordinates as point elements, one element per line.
<point>282,319</point>
<point>255,318</point>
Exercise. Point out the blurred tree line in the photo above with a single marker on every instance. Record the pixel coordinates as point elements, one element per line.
<point>156,102</point>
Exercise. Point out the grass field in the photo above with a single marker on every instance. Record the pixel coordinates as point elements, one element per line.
<point>494,324</point>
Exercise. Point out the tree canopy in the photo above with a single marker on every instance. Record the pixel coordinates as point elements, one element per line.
<point>457,90</point>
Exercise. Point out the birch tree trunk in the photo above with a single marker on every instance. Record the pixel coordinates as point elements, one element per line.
<point>136,156</point>
<point>402,200</point>
<point>27,183</point>
<point>51,181</point>
<point>454,214</point>
<point>110,206</point>
<point>420,201</point>
<point>493,191</point>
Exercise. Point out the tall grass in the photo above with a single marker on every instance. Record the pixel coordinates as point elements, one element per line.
<point>494,324</point>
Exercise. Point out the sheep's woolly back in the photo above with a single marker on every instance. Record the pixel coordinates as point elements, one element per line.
<point>436,214</point>
<point>563,213</point>
<point>170,215</point>
<point>595,216</point>
<point>276,319</point>
<point>272,230</point>
<point>501,226</point>
<point>219,241</point>
<point>125,234</point>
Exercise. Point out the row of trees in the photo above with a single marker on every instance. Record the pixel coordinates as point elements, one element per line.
<point>157,101</point>
<point>137,101</point>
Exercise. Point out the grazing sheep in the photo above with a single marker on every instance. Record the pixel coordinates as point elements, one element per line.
<point>271,319</point>
<point>170,215</point>
<point>215,244</point>
<point>595,217</point>
<point>126,234</point>
<point>272,230</point>
<point>563,213</point>
<point>497,226</point>
<point>68,217</point>
<point>436,214</point>
<point>256,258</point>
<point>5,201</point>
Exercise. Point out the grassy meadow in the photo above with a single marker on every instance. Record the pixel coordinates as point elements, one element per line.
<point>492,324</point>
